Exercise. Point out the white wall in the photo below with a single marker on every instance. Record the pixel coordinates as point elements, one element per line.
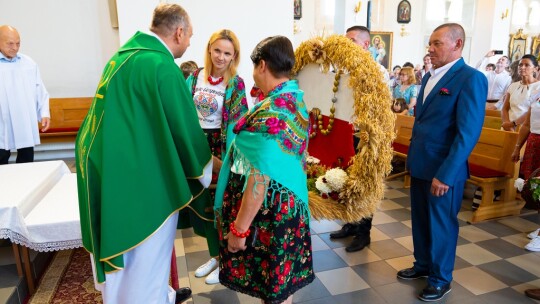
<point>71,40</point>
<point>256,21</point>
<point>484,28</point>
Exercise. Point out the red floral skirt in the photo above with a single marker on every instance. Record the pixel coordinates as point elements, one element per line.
<point>280,262</point>
<point>213,136</point>
<point>531,159</point>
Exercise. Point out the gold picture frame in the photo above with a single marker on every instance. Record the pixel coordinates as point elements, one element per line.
<point>383,56</point>
<point>518,46</point>
<point>535,46</point>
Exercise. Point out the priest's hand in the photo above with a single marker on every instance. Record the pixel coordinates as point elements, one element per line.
<point>45,124</point>
<point>234,243</point>
<point>216,166</point>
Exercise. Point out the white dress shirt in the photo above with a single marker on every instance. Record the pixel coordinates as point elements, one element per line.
<point>436,75</point>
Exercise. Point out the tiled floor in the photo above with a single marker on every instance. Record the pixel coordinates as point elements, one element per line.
<point>491,264</point>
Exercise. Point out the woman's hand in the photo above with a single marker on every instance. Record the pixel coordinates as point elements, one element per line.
<point>216,165</point>
<point>234,243</point>
<point>508,126</point>
<point>515,155</point>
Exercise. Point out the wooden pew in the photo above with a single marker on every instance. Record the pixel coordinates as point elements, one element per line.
<point>493,113</point>
<point>403,128</point>
<point>492,169</point>
<point>67,115</point>
<point>492,122</point>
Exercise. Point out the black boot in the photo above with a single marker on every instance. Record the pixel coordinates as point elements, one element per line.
<point>182,294</point>
<point>346,230</point>
<point>358,243</point>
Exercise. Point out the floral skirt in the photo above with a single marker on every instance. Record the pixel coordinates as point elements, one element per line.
<point>213,136</point>
<point>280,262</point>
<point>531,161</point>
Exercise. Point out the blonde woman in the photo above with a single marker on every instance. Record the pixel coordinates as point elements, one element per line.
<point>407,89</point>
<point>220,98</point>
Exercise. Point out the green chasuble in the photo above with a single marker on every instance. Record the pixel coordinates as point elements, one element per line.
<point>139,152</point>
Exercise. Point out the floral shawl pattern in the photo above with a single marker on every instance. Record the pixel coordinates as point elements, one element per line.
<point>272,139</point>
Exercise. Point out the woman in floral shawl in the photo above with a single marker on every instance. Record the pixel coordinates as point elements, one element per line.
<point>262,192</point>
<point>220,98</point>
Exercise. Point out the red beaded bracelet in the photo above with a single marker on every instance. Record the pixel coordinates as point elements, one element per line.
<point>238,234</point>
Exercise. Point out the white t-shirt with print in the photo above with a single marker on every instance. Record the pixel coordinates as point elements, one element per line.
<point>208,100</point>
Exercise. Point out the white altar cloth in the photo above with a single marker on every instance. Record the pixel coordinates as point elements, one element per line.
<point>26,192</point>
<point>54,224</point>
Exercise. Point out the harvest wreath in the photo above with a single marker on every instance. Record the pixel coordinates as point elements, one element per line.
<point>363,187</point>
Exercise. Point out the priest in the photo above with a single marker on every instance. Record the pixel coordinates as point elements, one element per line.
<point>141,156</point>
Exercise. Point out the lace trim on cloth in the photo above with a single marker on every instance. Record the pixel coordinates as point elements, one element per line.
<point>17,238</point>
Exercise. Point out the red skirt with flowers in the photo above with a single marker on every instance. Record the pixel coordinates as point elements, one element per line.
<point>280,262</point>
<point>531,161</point>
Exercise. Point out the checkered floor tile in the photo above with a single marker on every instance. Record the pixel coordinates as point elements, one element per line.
<point>491,264</point>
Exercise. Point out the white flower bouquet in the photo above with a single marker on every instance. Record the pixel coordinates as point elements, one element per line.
<point>331,183</point>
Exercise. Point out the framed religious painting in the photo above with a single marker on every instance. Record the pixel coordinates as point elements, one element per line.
<point>404,12</point>
<point>297,9</point>
<point>380,48</point>
<point>518,46</point>
<point>535,48</point>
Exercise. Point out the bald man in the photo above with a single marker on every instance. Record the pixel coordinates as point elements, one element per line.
<point>23,100</point>
<point>448,122</point>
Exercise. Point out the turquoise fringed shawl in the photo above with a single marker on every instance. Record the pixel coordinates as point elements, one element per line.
<point>272,140</point>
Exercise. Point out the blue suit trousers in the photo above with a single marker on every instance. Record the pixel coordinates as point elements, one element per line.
<point>435,229</point>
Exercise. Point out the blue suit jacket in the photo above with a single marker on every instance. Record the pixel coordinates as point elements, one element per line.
<point>447,127</point>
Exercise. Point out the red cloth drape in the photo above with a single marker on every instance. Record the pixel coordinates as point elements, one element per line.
<point>335,149</point>
<point>174,271</point>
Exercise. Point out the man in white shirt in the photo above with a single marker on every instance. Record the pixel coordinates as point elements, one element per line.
<point>498,80</point>
<point>23,100</point>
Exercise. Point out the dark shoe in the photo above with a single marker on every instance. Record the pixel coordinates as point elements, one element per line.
<point>411,274</point>
<point>182,294</point>
<point>432,293</point>
<point>346,230</point>
<point>358,243</point>
<point>533,293</point>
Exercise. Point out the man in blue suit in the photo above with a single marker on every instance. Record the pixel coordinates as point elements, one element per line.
<point>449,117</point>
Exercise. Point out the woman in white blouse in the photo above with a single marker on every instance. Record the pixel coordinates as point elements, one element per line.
<point>516,98</point>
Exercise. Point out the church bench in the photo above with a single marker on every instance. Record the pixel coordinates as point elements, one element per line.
<point>492,122</point>
<point>493,113</point>
<point>491,168</point>
<point>67,115</point>
<point>403,128</point>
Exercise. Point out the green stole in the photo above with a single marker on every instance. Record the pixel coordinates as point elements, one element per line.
<point>272,139</point>
<point>139,152</point>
